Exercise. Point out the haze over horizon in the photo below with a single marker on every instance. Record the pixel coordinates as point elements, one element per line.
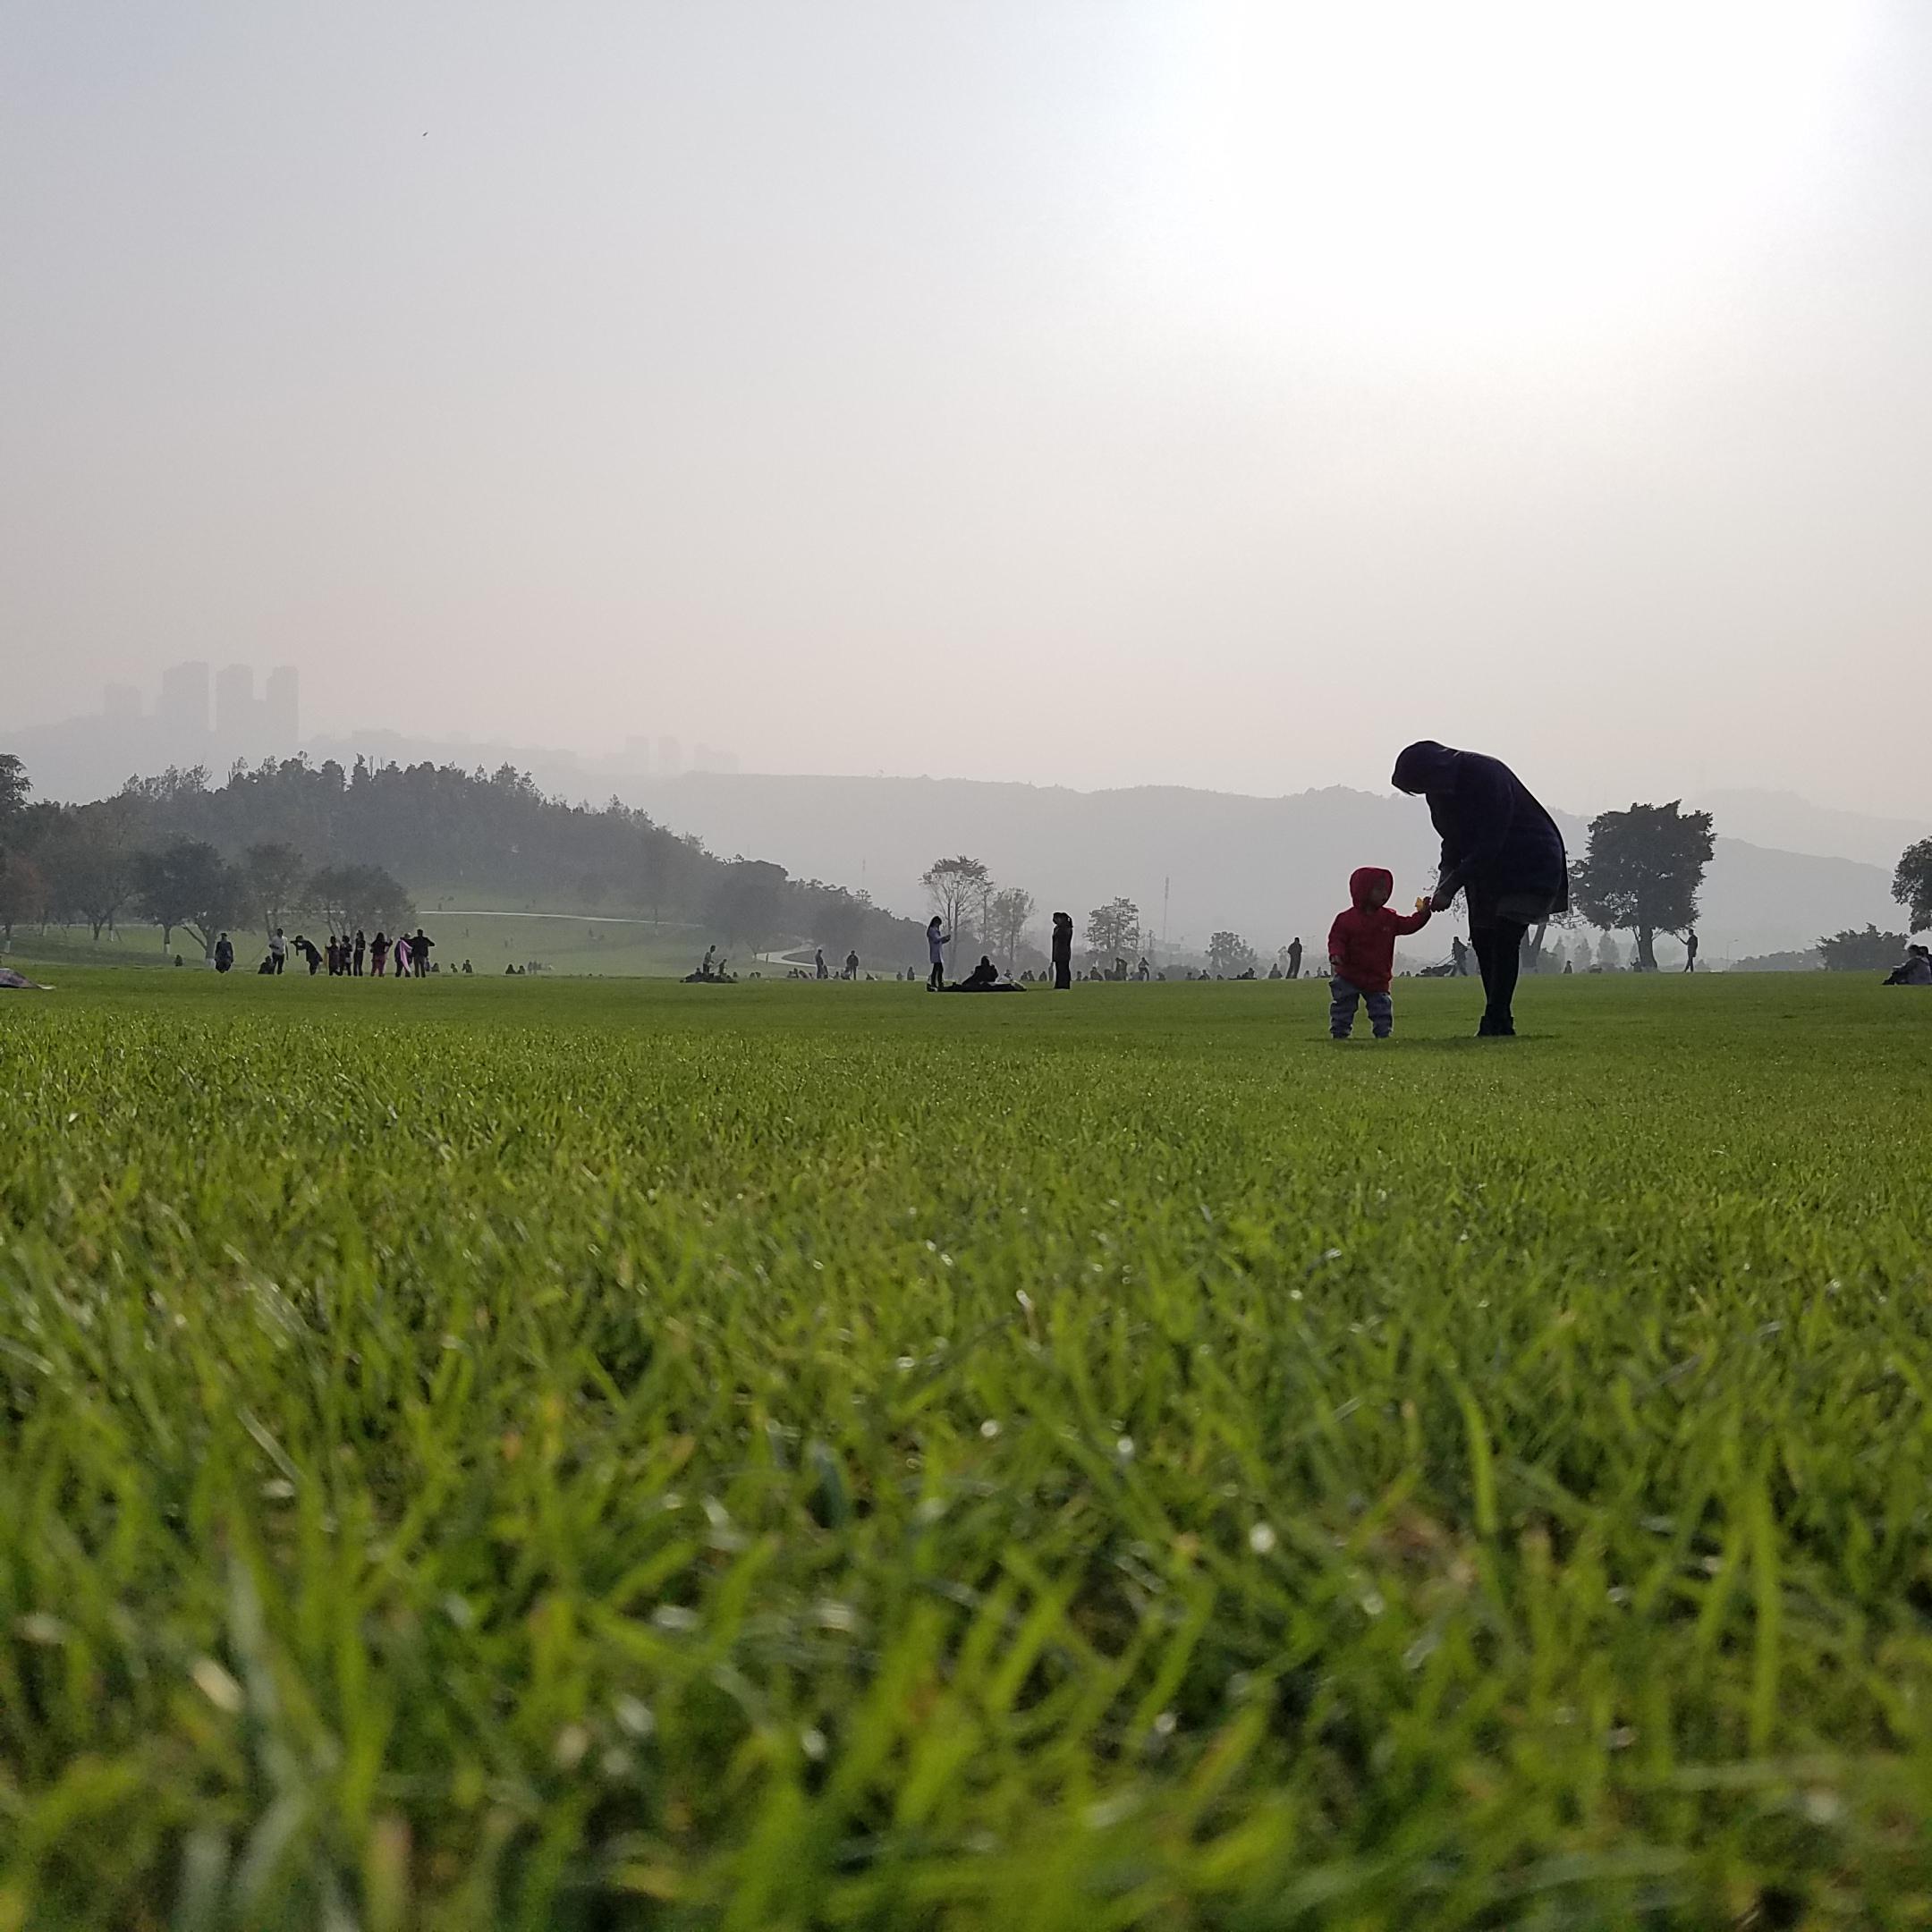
<point>1215,396</point>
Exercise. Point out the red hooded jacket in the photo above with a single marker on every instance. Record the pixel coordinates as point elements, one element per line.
<point>1361,942</point>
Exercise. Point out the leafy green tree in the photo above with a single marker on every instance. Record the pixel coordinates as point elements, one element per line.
<point>89,864</point>
<point>14,786</point>
<point>277,878</point>
<point>359,898</point>
<point>23,892</point>
<point>1912,884</point>
<point>1115,928</point>
<point>1642,872</point>
<point>1870,951</point>
<point>189,884</point>
<point>747,901</point>
<point>1229,953</point>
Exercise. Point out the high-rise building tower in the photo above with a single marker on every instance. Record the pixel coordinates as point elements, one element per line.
<point>281,711</point>
<point>234,708</point>
<point>181,714</point>
<point>670,758</point>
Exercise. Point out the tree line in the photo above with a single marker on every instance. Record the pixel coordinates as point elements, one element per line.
<point>289,838</point>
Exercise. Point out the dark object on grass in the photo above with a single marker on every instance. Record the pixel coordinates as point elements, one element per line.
<point>985,977</point>
<point>14,982</point>
<point>1914,970</point>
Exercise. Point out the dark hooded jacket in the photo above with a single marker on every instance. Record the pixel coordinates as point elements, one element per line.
<point>1361,942</point>
<point>1496,840</point>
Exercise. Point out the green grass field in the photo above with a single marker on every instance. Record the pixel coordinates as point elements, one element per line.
<point>559,1454</point>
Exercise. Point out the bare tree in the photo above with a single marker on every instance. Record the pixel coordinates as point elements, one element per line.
<point>958,889</point>
<point>1008,913</point>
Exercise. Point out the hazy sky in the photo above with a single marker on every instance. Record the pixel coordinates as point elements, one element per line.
<point>1105,392</point>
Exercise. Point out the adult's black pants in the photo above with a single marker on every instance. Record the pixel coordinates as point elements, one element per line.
<point>1498,957</point>
<point>1063,976</point>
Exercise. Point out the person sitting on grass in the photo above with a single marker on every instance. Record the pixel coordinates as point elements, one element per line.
<point>1361,952</point>
<point>1914,970</point>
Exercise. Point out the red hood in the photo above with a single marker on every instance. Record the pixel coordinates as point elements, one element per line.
<point>1363,880</point>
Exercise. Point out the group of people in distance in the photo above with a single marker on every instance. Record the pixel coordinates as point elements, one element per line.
<point>343,956</point>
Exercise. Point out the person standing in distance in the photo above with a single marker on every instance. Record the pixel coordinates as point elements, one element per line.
<point>1501,849</point>
<point>1062,951</point>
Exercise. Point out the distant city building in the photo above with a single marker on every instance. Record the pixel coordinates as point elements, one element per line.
<point>236,717</point>
<point>670,758</point>
<point>282,711</point>
<point>183,708</point>
<point>121,702</point>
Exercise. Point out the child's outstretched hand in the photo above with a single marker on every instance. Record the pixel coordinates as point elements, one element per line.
<point>1422,901</point>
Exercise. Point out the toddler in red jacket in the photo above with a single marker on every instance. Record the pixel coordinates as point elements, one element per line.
<point>1361,952</point>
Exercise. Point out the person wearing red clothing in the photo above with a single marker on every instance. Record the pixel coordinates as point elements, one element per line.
<point>1361,952</point>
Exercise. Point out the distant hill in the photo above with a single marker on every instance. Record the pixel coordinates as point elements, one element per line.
<point>1269,868</point>
<point>1788,822</point>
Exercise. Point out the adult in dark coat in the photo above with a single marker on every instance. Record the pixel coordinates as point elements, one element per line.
<point>1500,850</point>
<point>1062,951</point>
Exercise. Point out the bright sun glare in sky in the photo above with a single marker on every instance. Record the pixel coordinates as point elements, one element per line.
<point>1413,166</point>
